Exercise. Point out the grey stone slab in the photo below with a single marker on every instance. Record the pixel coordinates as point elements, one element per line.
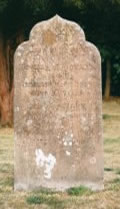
<point>57,109</point>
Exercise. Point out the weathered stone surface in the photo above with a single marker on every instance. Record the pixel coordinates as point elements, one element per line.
<point>58,131</point>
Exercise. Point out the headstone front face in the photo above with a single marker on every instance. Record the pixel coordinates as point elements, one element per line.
<point>57,117</point>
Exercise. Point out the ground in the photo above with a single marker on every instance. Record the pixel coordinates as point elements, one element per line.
<point>75,198</point>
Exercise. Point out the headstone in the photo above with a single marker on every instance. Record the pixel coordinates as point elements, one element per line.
<point>57,117</point>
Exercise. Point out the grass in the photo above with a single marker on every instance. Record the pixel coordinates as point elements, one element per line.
<point>45,191</point>
<point>106,116</point>
<point>78,191</point>
<point>73,198</point>
<point>5,168</point>
<point>118,171</point>
<point>108,169</point>
<point>112,141</point>
<point>116,181</point>
<point>51,201</point>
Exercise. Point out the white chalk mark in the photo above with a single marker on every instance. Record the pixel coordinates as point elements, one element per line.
<point>68,153</point>
<point>48,162</point>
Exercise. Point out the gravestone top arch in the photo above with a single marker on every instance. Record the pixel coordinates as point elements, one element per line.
<point>57,109</point>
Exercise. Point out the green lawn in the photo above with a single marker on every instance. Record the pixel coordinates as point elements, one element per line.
<point>76,198</point>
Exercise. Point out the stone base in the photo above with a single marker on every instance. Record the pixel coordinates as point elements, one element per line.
<point>59,186</point>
